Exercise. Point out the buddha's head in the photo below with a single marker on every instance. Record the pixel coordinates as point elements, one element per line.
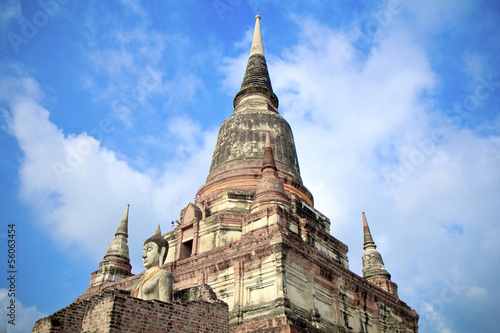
<point>155,250</point>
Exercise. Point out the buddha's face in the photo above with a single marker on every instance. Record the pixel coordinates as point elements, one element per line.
<point>151,255</point>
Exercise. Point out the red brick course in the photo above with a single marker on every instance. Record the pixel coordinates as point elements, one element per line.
<point>115,311</point>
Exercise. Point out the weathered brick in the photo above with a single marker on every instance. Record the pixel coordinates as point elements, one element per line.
<point>115,311</point>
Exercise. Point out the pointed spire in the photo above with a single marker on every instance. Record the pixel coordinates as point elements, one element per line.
<point>373,265</point>
<point>367,236</point>
<point>256,81</point>
<point>257,45</point>
<point>118,247</point>
<point>116,262</point>
<point>270,187</point>
<point>123,227</point>
<point>158,231</point>
<point>268,160</point>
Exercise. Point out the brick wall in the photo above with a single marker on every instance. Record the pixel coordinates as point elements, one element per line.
<point>68,319</point>
<point>115,311</point>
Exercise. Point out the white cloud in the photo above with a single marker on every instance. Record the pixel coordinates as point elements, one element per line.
<point>436,16</point>
<point>246,41</point>
<point>10,10</point>
<point>113,61</point>
<point>134,56</point>
<point>477,292</point>
<point>360,108</point>
<point>132,75</point>
<point>134,7</point>
<point>432,318</point>
<point>80,188</point>
<point>24,317</point>
<point>233,70</point>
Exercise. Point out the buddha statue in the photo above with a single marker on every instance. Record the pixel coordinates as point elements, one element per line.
<point>156,283</point>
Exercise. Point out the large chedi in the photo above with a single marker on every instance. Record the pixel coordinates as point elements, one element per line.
<point>253,238</point>
<point>240,145</point>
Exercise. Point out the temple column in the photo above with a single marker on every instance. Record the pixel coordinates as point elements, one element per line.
<point>280,251</point>
<point>235,317</point>
<point>179,243</point>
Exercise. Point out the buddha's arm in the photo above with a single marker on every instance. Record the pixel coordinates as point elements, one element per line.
<point>165,284</point>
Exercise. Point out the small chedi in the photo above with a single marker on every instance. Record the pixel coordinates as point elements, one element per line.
<point>250,254</point>
<point>156,282</point>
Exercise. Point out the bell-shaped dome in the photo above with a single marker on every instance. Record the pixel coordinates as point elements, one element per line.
<point>238,152</point>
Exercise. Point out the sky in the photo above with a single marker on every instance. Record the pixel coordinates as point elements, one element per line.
<point>394,106</point>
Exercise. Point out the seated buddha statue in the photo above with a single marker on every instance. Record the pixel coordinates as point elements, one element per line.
<point>156,283</point>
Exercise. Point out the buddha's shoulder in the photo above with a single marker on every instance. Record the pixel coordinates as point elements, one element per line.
<point>161,274</point>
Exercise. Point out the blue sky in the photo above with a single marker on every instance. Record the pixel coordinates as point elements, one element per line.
<point>394,107</point>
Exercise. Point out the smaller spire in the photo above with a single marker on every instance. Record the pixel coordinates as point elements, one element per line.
<point>270,187</point>
<point>123,227</point>
<point>118,247</point>
<point>116,262</point>
<point>373,265</point>
<point>367,236</point>
<point>268,160</point>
